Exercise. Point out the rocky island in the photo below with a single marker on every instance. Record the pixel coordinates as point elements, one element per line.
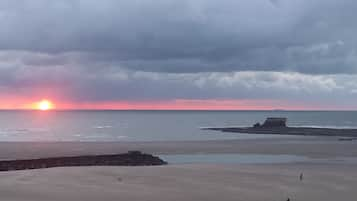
<point>132,158</point>
<point>273,125</point>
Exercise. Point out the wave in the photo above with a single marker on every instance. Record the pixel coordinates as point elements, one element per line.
<point>102,127</point>
<point>22,130</point>
<point>328,126</point>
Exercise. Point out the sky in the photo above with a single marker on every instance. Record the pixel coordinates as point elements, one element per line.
<point>179,54</point>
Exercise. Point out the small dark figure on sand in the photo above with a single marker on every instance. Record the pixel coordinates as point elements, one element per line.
<point>301,176</point>
<point>288,199</point>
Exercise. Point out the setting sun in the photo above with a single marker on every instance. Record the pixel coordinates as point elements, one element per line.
<point>44,105</point>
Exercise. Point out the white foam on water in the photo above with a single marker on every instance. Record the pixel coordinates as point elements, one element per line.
<point>102,127</point>
<point>328,126</point>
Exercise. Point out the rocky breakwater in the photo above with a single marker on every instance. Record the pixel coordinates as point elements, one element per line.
<point>277,126</point>
<point>132,158</point>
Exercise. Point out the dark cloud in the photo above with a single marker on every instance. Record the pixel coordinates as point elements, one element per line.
<point>80,83</point>
<point>180,49</point>
<point>189,35</point>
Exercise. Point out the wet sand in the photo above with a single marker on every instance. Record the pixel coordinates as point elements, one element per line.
<point>305,146</point>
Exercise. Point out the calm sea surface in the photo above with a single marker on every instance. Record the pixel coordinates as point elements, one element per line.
<point>149,125</point>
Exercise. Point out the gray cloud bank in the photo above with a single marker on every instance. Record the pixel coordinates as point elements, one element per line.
<point>194,49</point>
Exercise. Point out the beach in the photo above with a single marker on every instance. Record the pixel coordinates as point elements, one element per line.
<point>194,181</point>
<point>182,182</point>
<point>178,100</point>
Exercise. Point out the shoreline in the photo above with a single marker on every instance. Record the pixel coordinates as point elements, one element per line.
<point>304,146</point>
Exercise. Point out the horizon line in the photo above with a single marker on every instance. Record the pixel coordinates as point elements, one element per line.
<point>213,110</point>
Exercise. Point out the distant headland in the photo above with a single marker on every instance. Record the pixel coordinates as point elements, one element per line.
<point>278,125</point>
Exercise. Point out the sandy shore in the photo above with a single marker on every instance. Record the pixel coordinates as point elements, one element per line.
<point>275,182</point>
<point>182,182</point>
<point>304,146</point>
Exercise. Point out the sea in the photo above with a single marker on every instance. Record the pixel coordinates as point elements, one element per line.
<point>99,126</point>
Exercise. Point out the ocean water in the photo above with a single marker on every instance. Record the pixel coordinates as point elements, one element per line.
<point>251,159</point>
<point>150,125</point>
<point>232,158</point>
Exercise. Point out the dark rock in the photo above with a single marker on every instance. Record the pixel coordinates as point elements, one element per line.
<point>257,125</point>
<point>347,139</point>
<point>132,158</point>
<point>274,122</point>
<point>134,152</point>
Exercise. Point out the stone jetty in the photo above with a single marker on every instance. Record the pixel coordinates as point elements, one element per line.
<point>132,158</point>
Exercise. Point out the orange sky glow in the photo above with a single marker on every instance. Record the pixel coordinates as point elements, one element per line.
<point>179,104</point>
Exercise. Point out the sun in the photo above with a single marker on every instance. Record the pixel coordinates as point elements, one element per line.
<point>45,105</point>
